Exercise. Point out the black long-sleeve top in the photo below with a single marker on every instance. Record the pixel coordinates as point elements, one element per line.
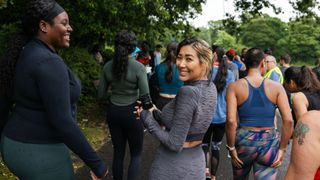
<point>45,93</point>
<point>4,111</point>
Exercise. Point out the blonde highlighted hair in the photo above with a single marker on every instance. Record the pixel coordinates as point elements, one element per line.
<point>203,50</point>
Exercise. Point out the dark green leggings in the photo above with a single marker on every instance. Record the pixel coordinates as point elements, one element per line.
<point>37,161</point>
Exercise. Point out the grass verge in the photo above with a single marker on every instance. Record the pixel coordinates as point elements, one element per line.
<point>91,120</point>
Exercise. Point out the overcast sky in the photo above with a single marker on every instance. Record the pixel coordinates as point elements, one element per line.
<point>216,9</point>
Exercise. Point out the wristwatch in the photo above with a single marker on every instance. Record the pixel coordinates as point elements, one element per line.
<point>230,148</point>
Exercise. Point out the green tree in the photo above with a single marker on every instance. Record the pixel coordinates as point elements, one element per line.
<point>227,41</point>
<point>264,32</point>
<point>215,27</point>
<point>98,21</point>
<point>205,34</point>
<point>303,40</point>
<point>252,9</point>
<point>305,8</point>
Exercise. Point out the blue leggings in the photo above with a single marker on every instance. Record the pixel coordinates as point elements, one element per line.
<point>257,149</point>
<point>124,127</point>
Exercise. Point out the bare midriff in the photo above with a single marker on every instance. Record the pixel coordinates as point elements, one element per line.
<point>167,95</point>
<point>191,144</point>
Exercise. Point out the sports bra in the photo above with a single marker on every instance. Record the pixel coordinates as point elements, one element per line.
<point>257,110</point>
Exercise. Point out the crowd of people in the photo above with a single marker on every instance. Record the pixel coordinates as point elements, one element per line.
<point>187,99</point>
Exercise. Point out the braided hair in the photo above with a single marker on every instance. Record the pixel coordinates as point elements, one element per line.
<point>125,43</point>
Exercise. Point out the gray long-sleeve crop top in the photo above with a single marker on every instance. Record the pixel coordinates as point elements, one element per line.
<point>186,118</point>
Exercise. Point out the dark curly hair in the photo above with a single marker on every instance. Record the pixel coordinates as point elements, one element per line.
<point>36,10</point>
<point>170,60</point>
<point>125,43</point>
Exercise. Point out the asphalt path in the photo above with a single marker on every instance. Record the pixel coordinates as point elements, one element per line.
<point>150,145</point>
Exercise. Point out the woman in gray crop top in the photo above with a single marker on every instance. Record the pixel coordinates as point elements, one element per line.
<point>186,117</point>
<point>256,143</point>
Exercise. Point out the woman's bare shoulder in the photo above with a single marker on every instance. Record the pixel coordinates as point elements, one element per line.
<point>273,85</point>
<point>239,83</point>
<point>311,117</point>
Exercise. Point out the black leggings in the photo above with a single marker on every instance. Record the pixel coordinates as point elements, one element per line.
<point>162,101</point>
<point>125,127</point>
<point>216,131</point>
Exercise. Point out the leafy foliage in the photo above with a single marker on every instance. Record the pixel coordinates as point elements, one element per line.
<point>227,41</point>
<point>264,32</point>
<point>146,18</point>
<point>303,39</point>
<point>6,32</point>
<point>305,8</point>
<point>86,68</point>
<point>252,9</point>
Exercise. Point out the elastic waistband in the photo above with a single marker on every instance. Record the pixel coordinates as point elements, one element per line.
<point>257,135</point>
<point>194,137</point>
<point>257,130</point>
<point>272,129</point>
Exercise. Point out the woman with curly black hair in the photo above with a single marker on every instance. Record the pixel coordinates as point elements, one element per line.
<point>44,92</point>
<point>126,80</point>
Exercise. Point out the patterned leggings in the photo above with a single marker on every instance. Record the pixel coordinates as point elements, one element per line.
<point>257,149</point>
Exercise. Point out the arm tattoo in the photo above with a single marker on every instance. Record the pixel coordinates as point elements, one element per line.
<point>300,132</point>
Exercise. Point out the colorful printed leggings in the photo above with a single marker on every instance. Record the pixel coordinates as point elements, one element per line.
<point>257,149</point>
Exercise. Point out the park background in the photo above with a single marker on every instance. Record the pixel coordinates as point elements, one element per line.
<point>251,23</point>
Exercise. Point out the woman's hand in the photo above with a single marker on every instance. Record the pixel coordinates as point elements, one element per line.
<point>138,109</point>
<point>153,108</point>
<point>278,160</point>
<point>94,177</point>
<point>235,159</point>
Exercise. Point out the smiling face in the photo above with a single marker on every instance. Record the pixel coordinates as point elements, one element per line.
<point>189,66</point>
<point>59,31</point>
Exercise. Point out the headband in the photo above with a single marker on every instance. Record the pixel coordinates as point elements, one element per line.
<point>53,12</point>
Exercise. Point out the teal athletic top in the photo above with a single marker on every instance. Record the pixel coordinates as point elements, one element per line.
<point>127,90</point>
<point>165,87</point>
<point>257,110</point>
